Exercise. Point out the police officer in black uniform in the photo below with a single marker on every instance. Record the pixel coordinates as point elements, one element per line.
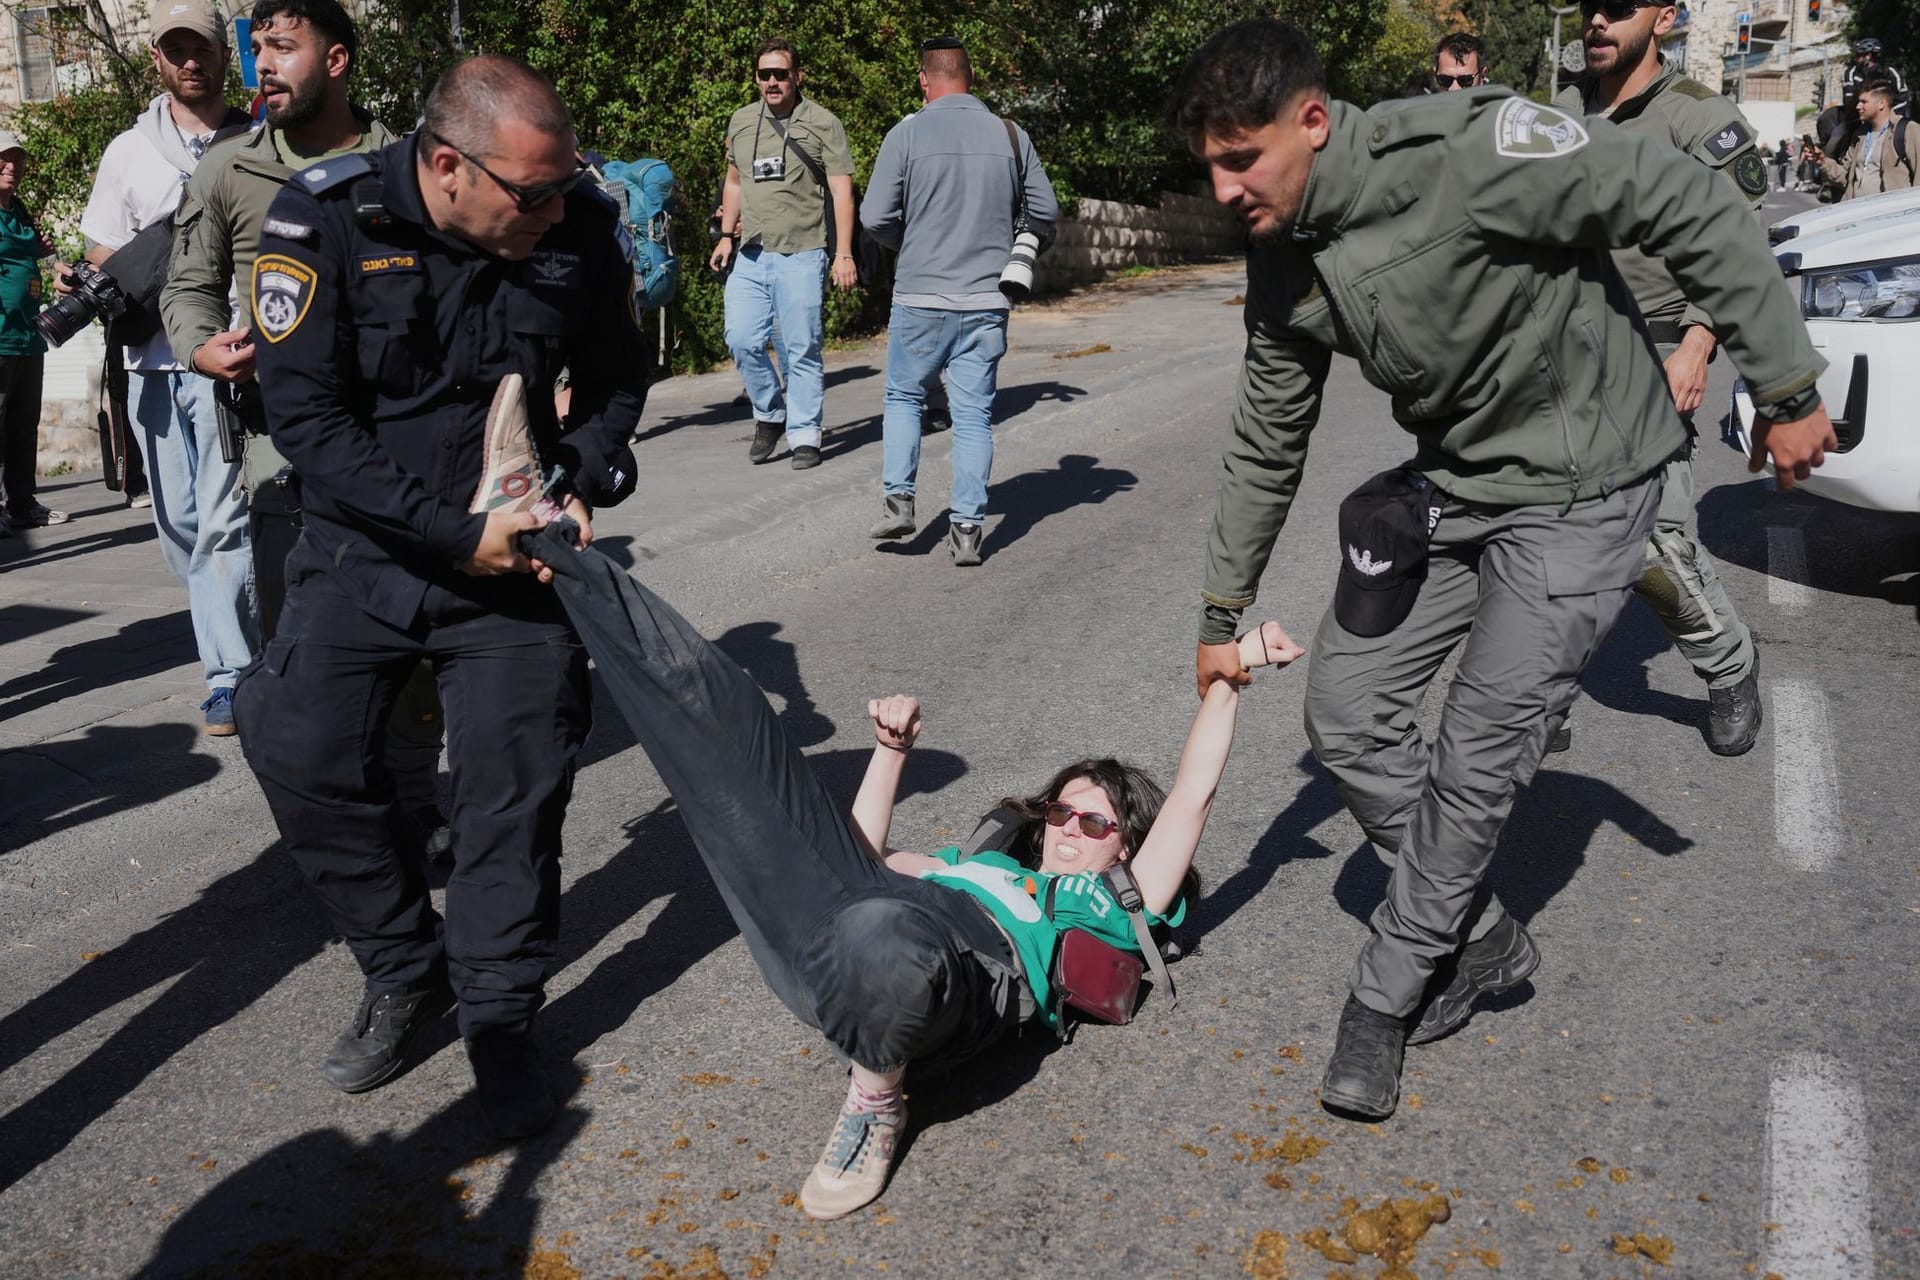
<point>393,293</point>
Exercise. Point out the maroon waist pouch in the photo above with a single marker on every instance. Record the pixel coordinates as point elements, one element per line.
<point>1095,979</point>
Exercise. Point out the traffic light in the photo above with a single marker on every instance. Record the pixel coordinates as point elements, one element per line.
<point>1813,10</point>
<point>1746,31</point>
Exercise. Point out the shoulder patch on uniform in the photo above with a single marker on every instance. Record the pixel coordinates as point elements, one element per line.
<point>1750,171</point>
<point>1525,130</point>
<point>282,291</point>
<point>1727,139</point>
<point>286,230</point>
<point>329,174</point>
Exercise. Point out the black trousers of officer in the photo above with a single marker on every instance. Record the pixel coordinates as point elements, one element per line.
<point>313,716</point>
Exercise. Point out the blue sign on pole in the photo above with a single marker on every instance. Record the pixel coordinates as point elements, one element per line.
<point>243,37</point>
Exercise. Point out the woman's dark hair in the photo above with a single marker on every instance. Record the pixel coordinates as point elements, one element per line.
<point>1242,78</point>
<point>1136,800</point>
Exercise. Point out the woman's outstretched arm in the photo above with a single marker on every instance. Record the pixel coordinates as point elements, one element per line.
<point>896,726</point>
<point>1162,862</point>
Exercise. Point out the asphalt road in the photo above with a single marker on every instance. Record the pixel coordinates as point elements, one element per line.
<point>1718,1052</point>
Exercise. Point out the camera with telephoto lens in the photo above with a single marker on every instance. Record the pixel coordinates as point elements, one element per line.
<point>96,296</point>
<point>1017,280</point>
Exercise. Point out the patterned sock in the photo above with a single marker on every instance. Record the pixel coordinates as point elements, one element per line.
<point>859,1099</point>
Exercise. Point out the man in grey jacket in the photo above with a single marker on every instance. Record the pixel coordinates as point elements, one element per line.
<point>952,185</point>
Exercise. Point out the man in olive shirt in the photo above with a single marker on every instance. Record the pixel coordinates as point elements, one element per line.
<point>788,196</point>
<point>1541,423</point>
<point>1634,87</point>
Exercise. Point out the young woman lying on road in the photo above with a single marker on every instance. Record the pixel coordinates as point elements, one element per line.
<point>916,957</point>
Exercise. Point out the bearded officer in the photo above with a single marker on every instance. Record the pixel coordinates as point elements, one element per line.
<point>1541,423</point>
<point>1632,85</point>
<point>392,296</point>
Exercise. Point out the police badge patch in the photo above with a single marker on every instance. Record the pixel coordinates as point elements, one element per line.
<point>282,292</point>
<point>1526,130</point>
<point>1750,171</point>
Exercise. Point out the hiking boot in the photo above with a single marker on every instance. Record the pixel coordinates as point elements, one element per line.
<point>1505,958</point>
<point>36,517</point>
<point>963,543</point>
<point>853,1170</point>
<point>370,1052</point>
<point>806,456</point>
<point>898,521</point>
<point>1733,715</point>
<point>218,710</point>
<point>515,1101</point>
<point>765,436</point>
<point>1562,739</point>
<point>1363,1075</point>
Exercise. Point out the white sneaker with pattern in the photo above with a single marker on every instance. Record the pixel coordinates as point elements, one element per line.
<point>853,1170</point>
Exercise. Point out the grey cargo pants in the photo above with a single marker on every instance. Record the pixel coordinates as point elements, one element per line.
<point>1680,585</point>
<point>1532,591</point>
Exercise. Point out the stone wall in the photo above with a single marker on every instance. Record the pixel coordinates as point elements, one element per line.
<point>1105,236</point>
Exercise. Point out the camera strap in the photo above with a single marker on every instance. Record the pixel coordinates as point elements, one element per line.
<point>1019,176</point>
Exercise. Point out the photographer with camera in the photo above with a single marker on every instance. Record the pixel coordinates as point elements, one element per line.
<point>198,509</point>
<point>959,191</point>
<point>23,352</point>
<point>788,195</point>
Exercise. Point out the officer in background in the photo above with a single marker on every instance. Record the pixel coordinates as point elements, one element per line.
<point>1632,85</point>
<point>392,295</point>
<point>1541,421</point>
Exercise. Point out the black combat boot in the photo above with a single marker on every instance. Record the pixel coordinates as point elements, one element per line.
<point>1363,1075</point>
<point>370,1052</point>
<point>1733,716</point>
<point>515,1101</point>
<point>1505,958</point>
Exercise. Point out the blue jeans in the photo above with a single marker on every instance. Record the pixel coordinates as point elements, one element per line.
<point>789,287</point>
<point>968,345</point>
<point>201,515</point>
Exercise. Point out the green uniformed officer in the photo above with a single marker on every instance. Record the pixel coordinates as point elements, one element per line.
<point>1541,422</point>
<point>1634,87</point>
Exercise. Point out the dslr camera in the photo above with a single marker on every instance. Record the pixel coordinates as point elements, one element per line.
<point>96,296</point>
<point>770,169</point>
<point>1016,281</point>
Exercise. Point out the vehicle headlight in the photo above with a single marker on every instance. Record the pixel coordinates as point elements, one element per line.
<point>1879,291</point>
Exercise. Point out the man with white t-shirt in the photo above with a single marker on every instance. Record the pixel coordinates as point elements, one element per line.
<point>198,507</point>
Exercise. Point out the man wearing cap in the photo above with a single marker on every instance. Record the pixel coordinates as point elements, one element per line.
<point>786,226</point>
<point>952,184</point>
<point>23,352</point>
<point>198,508</point>
<point>1541,423</point>
<point>1631,84</point>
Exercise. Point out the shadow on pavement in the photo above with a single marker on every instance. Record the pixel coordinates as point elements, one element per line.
<point>323,1205</point>
<point>1617,676</point>
<point>1287,839</point>
<point>1017,504</point>
<point>60,785</point>
<point>1545,843</point>
<point>36,548</point>
<point>733,411</point>
<point>1010,402</point>
<point>244,933</point>
<point>1849,550</point>
<point>140,648</point>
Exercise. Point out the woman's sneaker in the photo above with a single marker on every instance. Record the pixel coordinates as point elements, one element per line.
<point>853,1170</point>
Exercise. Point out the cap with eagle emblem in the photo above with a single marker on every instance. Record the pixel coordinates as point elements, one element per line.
<point>1385,525</point>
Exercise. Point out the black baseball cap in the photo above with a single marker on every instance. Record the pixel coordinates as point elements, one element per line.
<point>941,42</point>
<point>1385,526</point>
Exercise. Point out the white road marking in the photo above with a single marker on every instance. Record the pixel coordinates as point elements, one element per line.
<point>1787,568</point>
<point>1806,819</point>
<point>1819,1170</point>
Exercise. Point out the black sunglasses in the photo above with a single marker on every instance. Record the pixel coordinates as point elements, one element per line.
<point>1465,82</point>
<point>525,199</point>
<point>782,74</point>
<point>1616,10</point>
<point>1097,826</point>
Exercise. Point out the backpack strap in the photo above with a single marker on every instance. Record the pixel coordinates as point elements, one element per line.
<point>992,833</point>
<point>1126,890</point>
<point>1019,176</point>
<point>815,168</point>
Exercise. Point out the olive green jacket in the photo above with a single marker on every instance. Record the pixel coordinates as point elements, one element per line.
<point>217,230</point>
<point>1457,247</point>
<point>1685,114</point>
